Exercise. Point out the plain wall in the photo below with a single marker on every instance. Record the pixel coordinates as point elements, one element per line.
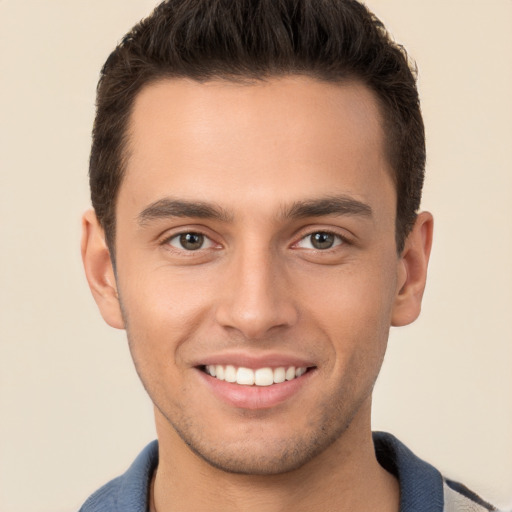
<point>73,413</point>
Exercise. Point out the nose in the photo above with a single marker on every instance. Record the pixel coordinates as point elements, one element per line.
<point>256,295</point>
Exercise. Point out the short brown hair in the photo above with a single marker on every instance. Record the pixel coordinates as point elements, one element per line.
<point>331,40</point>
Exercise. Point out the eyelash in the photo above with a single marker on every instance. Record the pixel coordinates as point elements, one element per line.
<point>339,240</point>
<point>167,241</point>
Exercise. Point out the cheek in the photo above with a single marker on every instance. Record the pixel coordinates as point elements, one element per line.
<point>159,320</point>
<point>353,307</point>
<point>161,312</point>
<point>357,295</point>
<point>165,293</point>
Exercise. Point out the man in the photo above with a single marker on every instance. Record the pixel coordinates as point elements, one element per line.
<point>256,175</point>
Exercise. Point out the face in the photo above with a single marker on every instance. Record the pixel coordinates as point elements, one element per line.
<point>256,264</point>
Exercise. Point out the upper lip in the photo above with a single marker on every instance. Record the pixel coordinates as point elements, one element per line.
<point>240,359</point>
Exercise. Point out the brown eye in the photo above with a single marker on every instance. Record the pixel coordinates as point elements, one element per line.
<point>322,240</point>
<point>189,241</point>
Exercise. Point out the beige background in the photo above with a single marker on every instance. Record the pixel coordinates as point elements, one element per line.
<point>73,413</point>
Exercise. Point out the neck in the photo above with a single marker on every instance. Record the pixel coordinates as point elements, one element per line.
<point>345,477</point>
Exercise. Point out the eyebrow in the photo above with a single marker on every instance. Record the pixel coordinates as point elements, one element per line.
<point>330,205</point>
<point>168,207</point>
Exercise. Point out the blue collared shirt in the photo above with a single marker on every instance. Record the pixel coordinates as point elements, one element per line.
<point>422,487</point>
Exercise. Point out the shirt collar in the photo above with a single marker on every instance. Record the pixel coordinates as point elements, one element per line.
<point>421,485</point>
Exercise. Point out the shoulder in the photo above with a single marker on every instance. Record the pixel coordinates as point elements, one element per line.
<point>422,487</point>
<point>104,499</point>
<point>458,498</point>
<point>128,492</point>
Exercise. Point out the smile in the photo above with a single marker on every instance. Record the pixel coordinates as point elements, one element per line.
<point>258,377</point>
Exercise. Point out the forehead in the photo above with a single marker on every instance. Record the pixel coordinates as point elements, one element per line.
<point>273,140</point>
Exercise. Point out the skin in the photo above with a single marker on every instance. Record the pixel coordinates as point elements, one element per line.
<point>258,287</point>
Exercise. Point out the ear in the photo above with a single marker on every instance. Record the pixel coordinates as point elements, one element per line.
<point>99,270</point>
<point>412,271</point>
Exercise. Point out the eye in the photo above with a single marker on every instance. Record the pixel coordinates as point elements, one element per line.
<point>190,241</point>
<point>320,240</point>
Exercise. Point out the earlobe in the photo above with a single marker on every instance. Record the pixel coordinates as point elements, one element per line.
<point>99,270</point>
<point>412,272</point>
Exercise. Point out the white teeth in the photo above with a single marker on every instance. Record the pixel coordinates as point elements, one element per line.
<point>230,374</point>
<point>260,377</point>
<point>299,372</point>
<point>279,375</point>
<point>245,376</point>
<point>264,377</point>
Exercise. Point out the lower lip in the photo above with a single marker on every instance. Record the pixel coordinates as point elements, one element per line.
<point>255,397</point>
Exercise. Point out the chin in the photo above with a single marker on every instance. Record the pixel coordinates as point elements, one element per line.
<point>247,461</point>
<point>263,454</point>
